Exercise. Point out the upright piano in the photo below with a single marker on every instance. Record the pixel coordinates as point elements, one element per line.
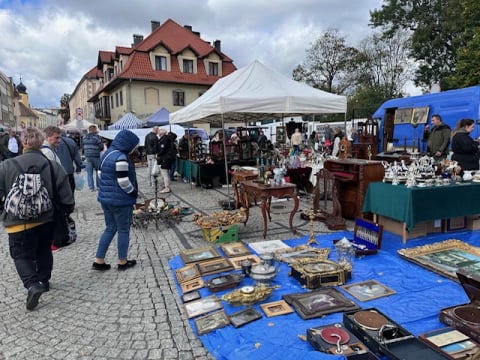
<point>352,178</point>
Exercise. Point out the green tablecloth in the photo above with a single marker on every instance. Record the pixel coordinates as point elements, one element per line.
<point>414,205</point>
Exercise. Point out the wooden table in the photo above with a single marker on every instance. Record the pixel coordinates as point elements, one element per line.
<point>237,177</point>
<point>265,193</point>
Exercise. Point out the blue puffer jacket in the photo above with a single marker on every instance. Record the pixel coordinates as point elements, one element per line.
<point>118,180</point>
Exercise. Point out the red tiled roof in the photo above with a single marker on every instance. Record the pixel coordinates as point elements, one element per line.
<point>105,57</point>
<point>122,50</point>
<point>94,73</point>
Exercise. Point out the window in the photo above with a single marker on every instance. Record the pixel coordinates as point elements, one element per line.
<point>188,66</point>
<point>213,69</point>
<point>121,98</point>
<point>111,101</point>
<point>178,98</point>
<point>160,63</point>
<point>116,98</point>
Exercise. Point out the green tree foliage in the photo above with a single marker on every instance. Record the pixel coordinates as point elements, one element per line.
<point>468,56</point>
<point>65,107</point>
<point>327,64</point>
<point>435,27</point>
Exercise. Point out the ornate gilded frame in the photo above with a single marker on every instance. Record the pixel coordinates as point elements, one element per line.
<point>445,257</point>
<point>199,254</point>
<point>301,252</point>
<point>235,249</point>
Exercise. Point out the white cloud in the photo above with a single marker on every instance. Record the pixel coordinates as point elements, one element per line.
<point>51,44</point>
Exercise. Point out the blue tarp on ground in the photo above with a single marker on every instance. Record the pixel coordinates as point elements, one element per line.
<point>420,295</point>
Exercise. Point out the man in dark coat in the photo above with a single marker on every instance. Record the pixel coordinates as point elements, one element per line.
<point>151,148</point>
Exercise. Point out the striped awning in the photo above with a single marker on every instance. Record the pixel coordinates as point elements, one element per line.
<point>127,121</point>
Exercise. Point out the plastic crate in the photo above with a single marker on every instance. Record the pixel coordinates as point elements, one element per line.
<point>221,234</point>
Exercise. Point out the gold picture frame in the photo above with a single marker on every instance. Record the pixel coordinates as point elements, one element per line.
<point>420,115</point>
<point>368,290</point>
<point>276,308</point>
<point>301,252</point>
<point>235,249</point>
<point>192,285</point>
<point>214,266</point>
<point>211,322</point>
<point>187,273</point>
<point>445,257</point>
<point>237,261</point>
<point>403,116</point>
<point>199,254</point>
<point>202,306</point>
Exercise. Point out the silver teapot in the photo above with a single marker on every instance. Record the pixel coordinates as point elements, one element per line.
<point>264,272</point>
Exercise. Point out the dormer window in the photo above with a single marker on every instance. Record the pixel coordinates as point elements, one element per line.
<point>161,63</point>
<point>188,66</point>
<point>213,68</point>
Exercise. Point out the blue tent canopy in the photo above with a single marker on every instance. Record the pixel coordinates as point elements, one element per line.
<point>127,121</point>
<point>159,118</point>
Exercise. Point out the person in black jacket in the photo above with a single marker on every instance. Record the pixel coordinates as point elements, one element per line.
<point>164,158</point>
<point>151,148</point>
<point>465,149</point>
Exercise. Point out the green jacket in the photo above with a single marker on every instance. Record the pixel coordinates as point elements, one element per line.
<point>438,139</point>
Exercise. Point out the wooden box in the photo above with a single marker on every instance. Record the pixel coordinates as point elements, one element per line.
<point>396,227</point>
<point>454,224</point>
<point>465,317</point>
<point>314,274</point>
<point>434,226</point>
<point>473,222</point>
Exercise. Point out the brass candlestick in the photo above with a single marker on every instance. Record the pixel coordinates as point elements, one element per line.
<point>312,239</point>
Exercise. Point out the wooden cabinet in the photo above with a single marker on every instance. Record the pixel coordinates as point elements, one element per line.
<point>352,177</point>
<point>367,145</point>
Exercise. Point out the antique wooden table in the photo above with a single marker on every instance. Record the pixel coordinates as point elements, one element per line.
<point>265,193</point>
<point>237,177</point>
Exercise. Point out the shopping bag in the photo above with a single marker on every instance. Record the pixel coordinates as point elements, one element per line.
<point>79,181</point>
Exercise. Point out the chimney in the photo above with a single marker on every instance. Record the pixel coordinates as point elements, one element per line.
<point>196,33</point>
<point>188,27</point>
<point>217,45</point>
<point>137,39</point>
<point>155,24</point>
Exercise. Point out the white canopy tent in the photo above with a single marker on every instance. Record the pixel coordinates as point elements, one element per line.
<point>257,92</point>
<point>77,125</point>
<point>141,133</point>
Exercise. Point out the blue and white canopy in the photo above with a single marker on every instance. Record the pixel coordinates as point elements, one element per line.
<point>127,121</point>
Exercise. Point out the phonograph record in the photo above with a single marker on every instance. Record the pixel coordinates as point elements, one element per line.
<point>385,337</point>
<point>466,317</point>
<point>336,339</point>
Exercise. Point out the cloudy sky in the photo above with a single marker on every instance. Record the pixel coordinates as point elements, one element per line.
<point>51,44</point>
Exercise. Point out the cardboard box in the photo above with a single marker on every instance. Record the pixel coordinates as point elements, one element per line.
<point>396,227</point>
<point>473,222</point>
<point>454,224</point>
<point>434,226</point>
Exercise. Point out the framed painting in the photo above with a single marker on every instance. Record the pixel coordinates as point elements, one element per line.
<point>186,273</point>
<point>280,134</point>
<point>237,261</point>
<point>202,306</point>
<point>199,254</point>
<point>194,295</point>
<point>244,316</point>
<point>235,249</point>
<point>300,253</point>
<point>403,116</point>
<point>214,266</point>
<point>445,257</point>
<point>268,246</point>
<point>210,322</point>
<point>192,285</point>
<point>276,308</point>
<point>420,115</point>
<point>368,290</point>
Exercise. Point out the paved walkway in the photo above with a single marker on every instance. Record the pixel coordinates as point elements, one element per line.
<point>135,314</point>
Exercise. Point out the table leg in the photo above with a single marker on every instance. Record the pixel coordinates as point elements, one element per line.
<point>235,194</point>
<point>404,233</point>
<point>294,211</point>
<point>269,203</point>
<point>265,200</point>
<point>244,195</point>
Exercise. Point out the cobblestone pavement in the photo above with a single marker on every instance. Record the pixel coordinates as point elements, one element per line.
<point>135,314</point>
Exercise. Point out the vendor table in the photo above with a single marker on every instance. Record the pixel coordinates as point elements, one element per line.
<point>413,205</point>
<point>264,192</point>
<point>200,172</point>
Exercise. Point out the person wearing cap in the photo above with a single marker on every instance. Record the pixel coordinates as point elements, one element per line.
<point>92,145</point>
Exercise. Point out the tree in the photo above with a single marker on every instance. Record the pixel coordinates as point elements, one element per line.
<point>435,27</point>
<point>467,72</point>
<point>327,64</point>
<point>65,108</point>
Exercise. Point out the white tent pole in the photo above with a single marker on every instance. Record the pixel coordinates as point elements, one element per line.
<point>226,163</point>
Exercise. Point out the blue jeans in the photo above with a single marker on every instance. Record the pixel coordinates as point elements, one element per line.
<point>117,220</point>
<point>92,164</point>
